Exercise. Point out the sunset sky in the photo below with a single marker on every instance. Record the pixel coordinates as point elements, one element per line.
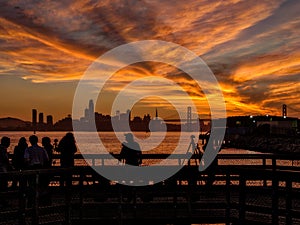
<point>252,47</point>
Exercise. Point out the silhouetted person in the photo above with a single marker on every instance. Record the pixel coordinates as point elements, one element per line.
<point>4,167</point>
<point>67,148</point>
<point>19,151</point>
<point>18,157</point>
<point>131,151</point>
<point>46,142</point>
<point>4,161</point>
<point>35,156</point>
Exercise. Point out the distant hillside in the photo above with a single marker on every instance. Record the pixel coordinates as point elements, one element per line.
<point>12,123</point>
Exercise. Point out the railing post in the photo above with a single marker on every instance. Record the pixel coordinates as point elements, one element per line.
<point>265,166</point>
<point>22,199</point>
<point>68,196</point>
<point>274,163</point>
<point>288,201</point>
<point>275,196</point>
<point>228,205</point>
<point>242,199</point>
<point>35,203</point>
<point>120,208</point>
<point>81,197</point>
<point>264,162</point>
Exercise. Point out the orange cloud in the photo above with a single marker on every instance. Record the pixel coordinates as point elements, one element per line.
<point>251,46</point>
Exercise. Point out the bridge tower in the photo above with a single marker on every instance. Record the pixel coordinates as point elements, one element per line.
<point>284,111</point>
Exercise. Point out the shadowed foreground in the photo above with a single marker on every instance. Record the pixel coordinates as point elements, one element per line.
<point>239,195</point>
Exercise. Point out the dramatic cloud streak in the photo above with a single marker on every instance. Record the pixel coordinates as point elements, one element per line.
<point>251,46</point>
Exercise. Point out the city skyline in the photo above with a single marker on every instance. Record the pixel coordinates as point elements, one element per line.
<point>38,118</point>
<point>252,47</point>
<point>126,122</point>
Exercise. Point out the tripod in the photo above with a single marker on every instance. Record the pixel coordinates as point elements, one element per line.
<point>195,150</point>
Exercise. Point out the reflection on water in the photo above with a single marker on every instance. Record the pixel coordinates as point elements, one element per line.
<point>112,144</point>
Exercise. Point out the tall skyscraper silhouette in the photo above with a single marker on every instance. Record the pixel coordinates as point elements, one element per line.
<point>34,117</point>
<point>41,118</point>
<point>49,120</point>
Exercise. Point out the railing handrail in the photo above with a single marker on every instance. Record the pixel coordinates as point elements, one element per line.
<point>292,156</point>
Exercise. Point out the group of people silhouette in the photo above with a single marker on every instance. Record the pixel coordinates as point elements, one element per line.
<point>35,156</point>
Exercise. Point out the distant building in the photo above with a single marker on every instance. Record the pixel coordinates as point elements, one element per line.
<point>86,115</point>
<point>89,114</point>
<point>41,118</point>
<point>277,125</point>
<point>91,111</point>
<point>280,125</point>
<point>49,120</point>
<point>156,123</point>
<point>34,117</point>
<point>64,124</point>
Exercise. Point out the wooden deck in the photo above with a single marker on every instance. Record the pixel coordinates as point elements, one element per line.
<point>251,194</point>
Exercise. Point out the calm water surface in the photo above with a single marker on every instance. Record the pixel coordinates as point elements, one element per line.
<point>112,144</point>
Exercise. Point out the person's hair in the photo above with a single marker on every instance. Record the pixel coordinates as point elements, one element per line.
<point>22,140</point>
<point>5,141</point>
<point>70,137</point>
<point>33,139</point>
<point>129,136</point>
<point>46,141</point>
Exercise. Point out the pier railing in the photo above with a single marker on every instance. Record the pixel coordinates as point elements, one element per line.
<point>239,194</point>
<point>266,160</point>
<point>275,161</point>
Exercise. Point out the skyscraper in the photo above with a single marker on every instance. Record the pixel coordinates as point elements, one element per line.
<point>91,111</point>
<point>41,118</point>
<point>34,117</point>
<point>49,120</point>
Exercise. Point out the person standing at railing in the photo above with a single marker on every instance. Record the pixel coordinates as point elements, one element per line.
<point>67,148</point>
<point>131,154</point>
<point>35,156</point>
<point>131,151</point>
<point>18,158</point>
<point>4,161</point>
<point>4,167</point>
<point>46,142</point>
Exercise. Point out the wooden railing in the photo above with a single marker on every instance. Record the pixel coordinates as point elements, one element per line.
<point>240,194</point>
<point>275,161</point>
<point>288,161</point>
